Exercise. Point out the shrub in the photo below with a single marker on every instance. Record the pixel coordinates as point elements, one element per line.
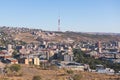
<point>36,78</point>
<point>77,77</point>
<point>15,67</point>
<point>69,71</point>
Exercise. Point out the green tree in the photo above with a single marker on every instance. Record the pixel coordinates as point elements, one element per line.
<point>80,56</point>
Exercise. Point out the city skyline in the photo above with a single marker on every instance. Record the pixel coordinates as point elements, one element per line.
<point>75,15</point>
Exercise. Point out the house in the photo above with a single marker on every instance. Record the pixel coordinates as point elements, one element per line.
<point>12,60</point>
<point>4,55</point>
<point>93,53</point>
<point>67,57</point>
<point>102,69</point>
<point>71,65</point>
<point>28,61</point>
<point>34,61</point>
<point>75,66</point>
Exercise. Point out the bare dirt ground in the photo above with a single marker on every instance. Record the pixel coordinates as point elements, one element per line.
<point>59,74</point>
<point>26,37</point>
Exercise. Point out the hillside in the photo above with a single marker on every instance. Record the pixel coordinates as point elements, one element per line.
<point>63,36</point>
<point>93,37</point>
<point>26,35</point>
<point>58,74</point>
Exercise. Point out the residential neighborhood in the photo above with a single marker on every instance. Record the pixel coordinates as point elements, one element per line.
<point>45,48</point>
<point>59,39</point>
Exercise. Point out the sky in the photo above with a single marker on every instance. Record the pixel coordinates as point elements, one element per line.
<point>75,15</point>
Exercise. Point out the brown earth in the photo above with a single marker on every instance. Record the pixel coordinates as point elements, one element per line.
<point>59,74</point>
<point>26,37</point>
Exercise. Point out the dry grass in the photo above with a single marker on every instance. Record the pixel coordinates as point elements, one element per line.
<point>60,74</point>
<point>26,37</point>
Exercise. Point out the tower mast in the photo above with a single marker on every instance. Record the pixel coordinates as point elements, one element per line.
<point>59,23</point>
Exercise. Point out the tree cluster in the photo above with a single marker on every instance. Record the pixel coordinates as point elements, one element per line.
<point>81,57</point>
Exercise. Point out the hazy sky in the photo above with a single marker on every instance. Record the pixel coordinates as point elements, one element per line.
<point>76,15</point>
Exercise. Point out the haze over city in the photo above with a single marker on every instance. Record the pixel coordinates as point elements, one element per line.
<point>75,15</point>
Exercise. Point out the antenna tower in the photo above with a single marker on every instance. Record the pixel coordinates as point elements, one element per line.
<point>59,23</point>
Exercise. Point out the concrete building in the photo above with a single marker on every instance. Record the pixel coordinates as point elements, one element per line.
<point>36,61</point>
<point>28,61</point>
<point>99,47</point>
<point>71,66</point>
<point>68,57</point>
<point>11,61</point>
<point>102,69</point>
<point>118,46</point>
<point>9,49</point>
